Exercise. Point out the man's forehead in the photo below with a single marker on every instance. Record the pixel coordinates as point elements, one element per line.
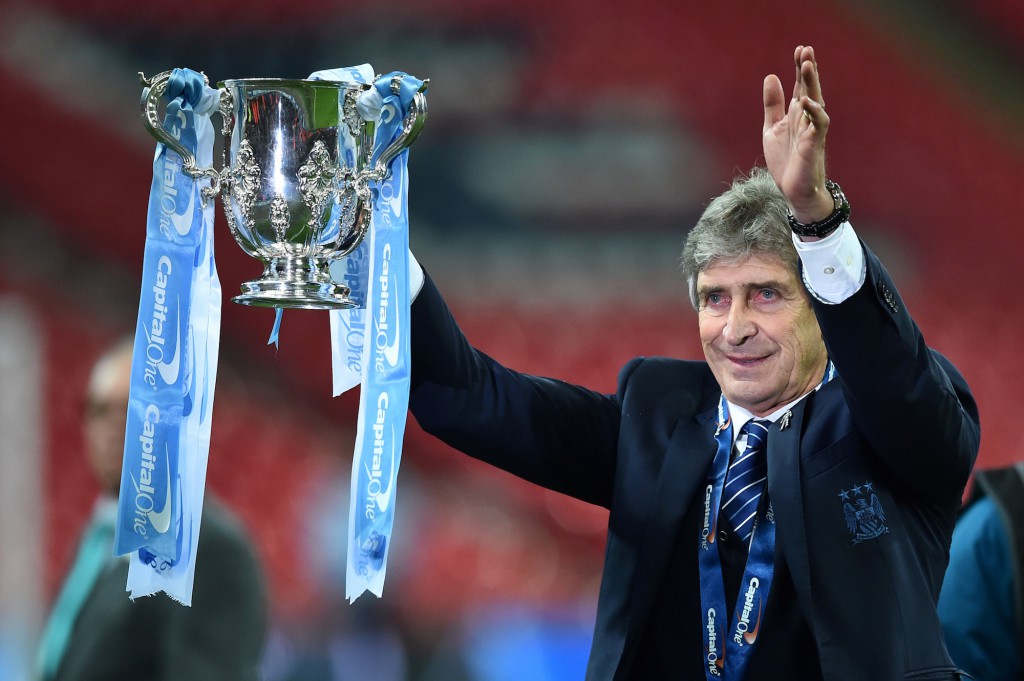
<point>111,377</point>
<point>756,269</point>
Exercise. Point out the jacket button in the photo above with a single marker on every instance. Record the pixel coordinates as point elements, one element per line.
<point>888,297</point>
<point>723,535</point>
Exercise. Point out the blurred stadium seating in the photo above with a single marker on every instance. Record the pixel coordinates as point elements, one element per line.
<point>570,146</point>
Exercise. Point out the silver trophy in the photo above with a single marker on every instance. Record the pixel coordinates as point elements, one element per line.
<point>295,180</point>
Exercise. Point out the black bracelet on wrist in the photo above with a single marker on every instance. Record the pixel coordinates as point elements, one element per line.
<point>823,228</point>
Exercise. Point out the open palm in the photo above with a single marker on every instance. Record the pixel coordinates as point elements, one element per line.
<point>794,139</point>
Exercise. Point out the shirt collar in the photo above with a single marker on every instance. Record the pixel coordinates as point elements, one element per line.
<point>740,416</point>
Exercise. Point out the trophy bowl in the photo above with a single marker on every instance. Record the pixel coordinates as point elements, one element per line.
<point>295,181</point>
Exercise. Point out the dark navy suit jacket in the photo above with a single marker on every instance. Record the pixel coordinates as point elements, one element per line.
<point>155,639</point>
<point>865,482</point>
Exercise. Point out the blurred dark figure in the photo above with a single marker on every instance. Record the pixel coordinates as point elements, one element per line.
<point>97,633</point>
<point>982,601</point>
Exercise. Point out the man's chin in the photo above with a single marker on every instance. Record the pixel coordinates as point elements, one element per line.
<point>745,394</point>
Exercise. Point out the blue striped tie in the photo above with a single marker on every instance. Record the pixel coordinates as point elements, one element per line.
<point>745,482</point>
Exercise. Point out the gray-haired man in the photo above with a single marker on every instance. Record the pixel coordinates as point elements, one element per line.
<point>781,510</point>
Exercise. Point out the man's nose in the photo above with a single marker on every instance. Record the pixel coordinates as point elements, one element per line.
<point>740,324</point>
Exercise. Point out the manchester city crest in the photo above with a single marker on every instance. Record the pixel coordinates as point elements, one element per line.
<point>865,517</point>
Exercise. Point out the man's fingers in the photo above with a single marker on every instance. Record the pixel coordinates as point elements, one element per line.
<point>797,80</point>
<point>774,102</point>
<point>811,81</point>
<point>815,114</point>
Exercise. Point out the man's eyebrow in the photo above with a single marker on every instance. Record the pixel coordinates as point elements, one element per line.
<point>706,290</point>
<point>771,283</point>
<point>747,286</point>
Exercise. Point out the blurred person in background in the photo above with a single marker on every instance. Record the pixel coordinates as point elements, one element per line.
<point>982,601</point>
<point>96,632</point>
<point>336,640</point>
<point>819,410</point>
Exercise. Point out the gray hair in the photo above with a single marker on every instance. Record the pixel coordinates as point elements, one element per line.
<point>749,217</point>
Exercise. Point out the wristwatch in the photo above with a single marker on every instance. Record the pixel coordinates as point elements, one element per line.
<point>823,228</point>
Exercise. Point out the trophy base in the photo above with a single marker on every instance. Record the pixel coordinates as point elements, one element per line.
<point>303,295</point>
<point>296,283</point>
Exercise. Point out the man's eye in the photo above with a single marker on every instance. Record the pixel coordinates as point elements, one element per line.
<point>768,294</point>
<point>714,299</point>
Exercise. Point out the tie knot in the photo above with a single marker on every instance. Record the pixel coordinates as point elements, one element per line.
<point>756,431</point>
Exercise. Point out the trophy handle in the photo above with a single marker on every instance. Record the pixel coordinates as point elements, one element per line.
<point>153,90</point>
<point>411,127</point>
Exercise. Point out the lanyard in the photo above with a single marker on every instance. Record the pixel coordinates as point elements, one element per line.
<point>738,641</point>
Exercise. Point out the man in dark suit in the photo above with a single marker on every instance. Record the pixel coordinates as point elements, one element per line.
<point>782,510</point>
<point>97,633</point>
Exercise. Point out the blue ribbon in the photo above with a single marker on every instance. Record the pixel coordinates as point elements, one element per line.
<point>384,398</point>
<point>371,346</point>
<point>275,332</point>
<point>174,361</point>
<point>348,327</point>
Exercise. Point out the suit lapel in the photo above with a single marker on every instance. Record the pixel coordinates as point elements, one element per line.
<point>687,459</point>
<point>785,493</point>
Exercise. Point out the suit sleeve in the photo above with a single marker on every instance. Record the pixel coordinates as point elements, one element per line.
<point>549,432</point>
<point>908,400</point>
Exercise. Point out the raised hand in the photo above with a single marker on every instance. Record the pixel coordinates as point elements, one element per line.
<point>794,139</point>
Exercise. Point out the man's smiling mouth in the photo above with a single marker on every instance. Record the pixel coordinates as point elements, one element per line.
<point>747,361</point>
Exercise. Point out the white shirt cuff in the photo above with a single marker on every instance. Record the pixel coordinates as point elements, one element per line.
<point>415,277</point>
<point>834,267</point>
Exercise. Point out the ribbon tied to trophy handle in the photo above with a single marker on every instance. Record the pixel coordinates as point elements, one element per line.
<point>153,91</point>
<point>412,124</point>
<point>155,88</point>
